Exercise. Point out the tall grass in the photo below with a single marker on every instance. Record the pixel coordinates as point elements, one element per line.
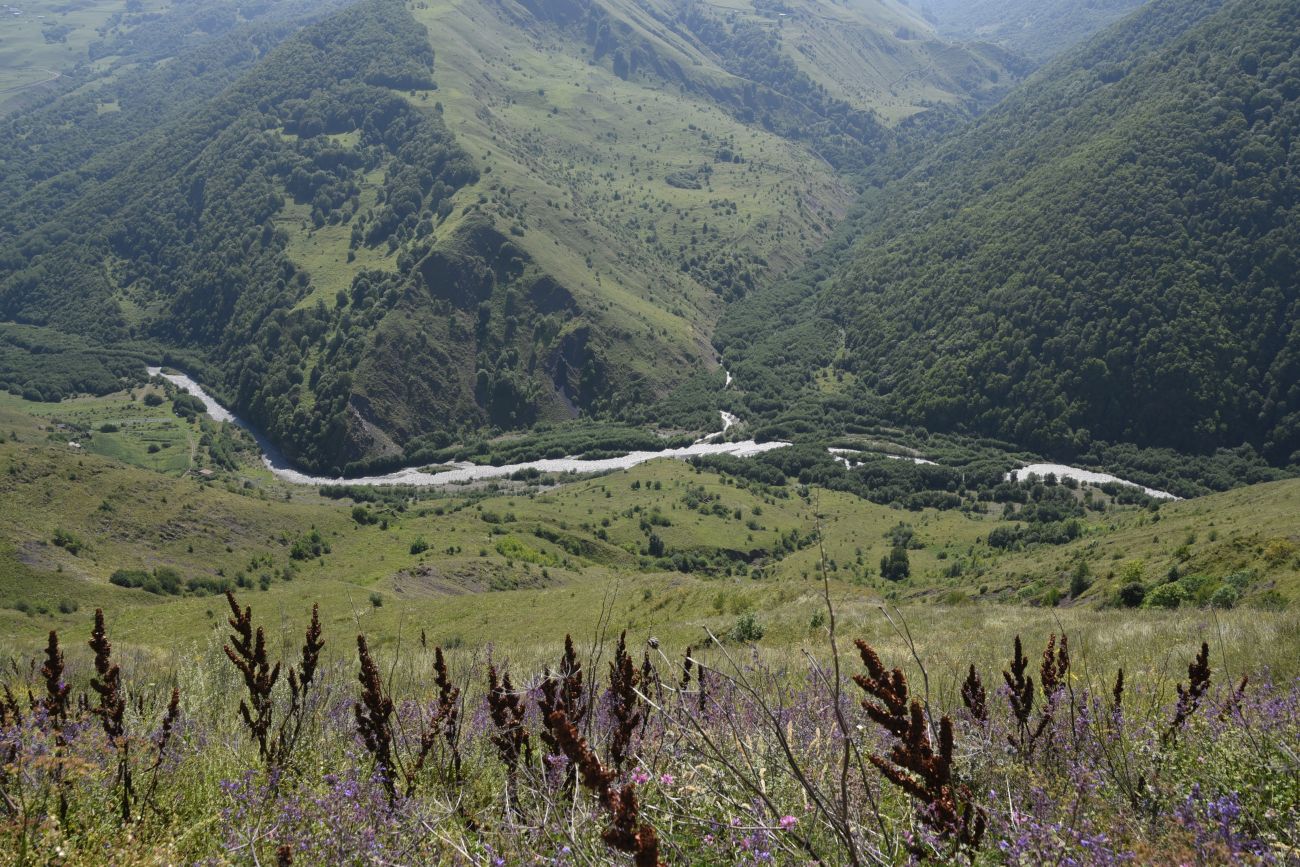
<point>1176,750</point>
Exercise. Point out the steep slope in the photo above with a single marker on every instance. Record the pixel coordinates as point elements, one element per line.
<point>1109,255</point>
<point>368,259</point>
<point>1038,29</point>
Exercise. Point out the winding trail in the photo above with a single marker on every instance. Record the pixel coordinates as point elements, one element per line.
<point>54,74</point>
<point>465,473</point>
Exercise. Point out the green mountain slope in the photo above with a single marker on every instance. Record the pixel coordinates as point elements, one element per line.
<point>1038,29</point>
<point>1110,255</point>
<point>368,257</point>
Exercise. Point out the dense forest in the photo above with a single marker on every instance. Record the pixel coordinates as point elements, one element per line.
<point>1108,256</point>
<point>184,250</point>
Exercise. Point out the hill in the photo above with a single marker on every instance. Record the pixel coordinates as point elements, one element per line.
<point>1038,29</point>
<point>1107,257</point>
<point>369,258</point>
<point>155,511</point>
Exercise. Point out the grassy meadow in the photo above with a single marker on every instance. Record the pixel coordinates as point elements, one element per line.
<point>672,548</point>
<point>42,39</point>
<point>735,765</point>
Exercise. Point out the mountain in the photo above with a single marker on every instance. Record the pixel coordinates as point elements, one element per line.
<point>370,254</point>
<point>1037,29</point>
<point>1108,256</point>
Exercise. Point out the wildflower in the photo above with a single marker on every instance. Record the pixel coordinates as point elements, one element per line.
<point>788,822</point>
<point>666,779</point>
<point>640,777</point>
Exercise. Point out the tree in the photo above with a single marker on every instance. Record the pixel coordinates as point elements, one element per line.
<point>894,566</point>
<point>1080,579</point>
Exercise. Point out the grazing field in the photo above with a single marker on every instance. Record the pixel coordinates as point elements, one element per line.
<point>40,40</point>
<point>678,547</point>
<point>742,762</point>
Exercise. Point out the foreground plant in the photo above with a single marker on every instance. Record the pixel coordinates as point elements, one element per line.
<point>783,767</point>
<point>943,805</point>
<point>626,832</point>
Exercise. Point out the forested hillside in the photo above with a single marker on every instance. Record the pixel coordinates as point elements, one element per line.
<point>1038,29</point>
<point>369,266</point>
<point>1110,255</point>
<point>179,244</point>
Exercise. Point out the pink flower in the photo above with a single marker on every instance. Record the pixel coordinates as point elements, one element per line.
<point>788,822</point>
<point>640,777</point>
<point>666,779</point>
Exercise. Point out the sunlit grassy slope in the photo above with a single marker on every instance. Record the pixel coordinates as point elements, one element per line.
<point>647,196</point>
<point>518,568</point>
<point>46,38</point>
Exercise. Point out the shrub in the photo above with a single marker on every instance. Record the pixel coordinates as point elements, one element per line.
<point>894,566</point>
<point>1169,595</point>
<point>153,399</point>
<point>163,581</point>
<point>1080,580</point>
<point>67,541</point>
<point>309,547</point>
<point>419,546</point>
<point>1225,597</point>
<point>747,629</point>
<point>1132,594</point>
<point>376,600</point>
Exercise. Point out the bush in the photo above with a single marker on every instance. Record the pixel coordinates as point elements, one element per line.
<point>67,606</point>
<point>376,600</point>
<point>68,541</point>
<point>419,546</point>
<point>1132,594</point>
<point>894,566</point>
<point>1225,597</point>
<point>152,399</point>
<point>1169,595</point>
<point>163,581</point>
<point>747,629</point>
<point>309,547</point>
<point>1080,580</point>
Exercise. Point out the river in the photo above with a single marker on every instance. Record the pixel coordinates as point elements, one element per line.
<point>1061,471</point>
<point>463,473</point>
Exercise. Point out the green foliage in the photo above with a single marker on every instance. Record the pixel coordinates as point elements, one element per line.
<point>747,629</point>
<point>45,365</point>
<point>68,541</point>
<point>1132,594</point>
<point>166,581</point>
<point>191,208</point>
<point>895,566</point>
<point>1129,281</point>
<point>1080,579</point>
<point>309,546</point>
<point>1169,595</point>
